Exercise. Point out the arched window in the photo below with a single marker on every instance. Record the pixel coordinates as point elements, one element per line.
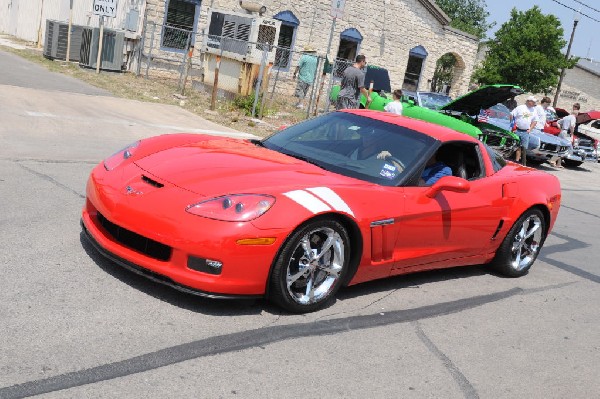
<point>414,67</point>
<point>350,41</point>
<point>287,38</point>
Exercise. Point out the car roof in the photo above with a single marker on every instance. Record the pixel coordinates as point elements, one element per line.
<point>438,132</point>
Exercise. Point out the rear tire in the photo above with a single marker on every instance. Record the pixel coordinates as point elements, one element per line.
<point>311,266</point>
<point>522,244</point>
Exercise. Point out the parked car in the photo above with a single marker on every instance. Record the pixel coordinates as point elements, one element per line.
<point>543,147</point>
<point>297,215</point>
<point>587,137</point>
<point>583,146</point>
<point>552,117</point>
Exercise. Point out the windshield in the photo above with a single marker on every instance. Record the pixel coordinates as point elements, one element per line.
<point>433,100</point>
<point>355,146</point>
<point>499,111</point>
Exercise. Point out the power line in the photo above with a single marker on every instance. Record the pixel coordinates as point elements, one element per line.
<point>585,5</point>
<point>577,11</point>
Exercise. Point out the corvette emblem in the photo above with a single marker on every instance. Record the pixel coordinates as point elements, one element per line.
<point>131,191</point>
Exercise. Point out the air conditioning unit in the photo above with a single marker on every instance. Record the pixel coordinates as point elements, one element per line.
<point>55,47</point>
<point>241,37</point>
<point>112,48</point>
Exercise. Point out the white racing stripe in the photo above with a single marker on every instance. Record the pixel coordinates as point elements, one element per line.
<point>319,199</point>
<point>331,197</point>
<point>308,201</point>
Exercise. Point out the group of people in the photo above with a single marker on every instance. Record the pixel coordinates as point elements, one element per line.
<point>351,86</point>
<point>530,117</point>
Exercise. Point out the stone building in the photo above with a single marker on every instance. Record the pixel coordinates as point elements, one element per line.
<point>405,36</point>
<point>581,84</point>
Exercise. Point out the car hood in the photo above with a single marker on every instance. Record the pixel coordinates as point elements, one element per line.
<point>226,166</point>
<point>541,136</point>
<point>482,98</point>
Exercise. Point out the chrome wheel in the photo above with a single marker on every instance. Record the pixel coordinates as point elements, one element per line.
<point>315,265</point>
<point>527,242</point>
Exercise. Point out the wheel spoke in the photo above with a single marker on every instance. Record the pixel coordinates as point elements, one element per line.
<point>292,278</point>
<point>332,271</point>
<point>310,288</point>
<point>305,243</point>
<point>326,246</point>
<point>532,231</point>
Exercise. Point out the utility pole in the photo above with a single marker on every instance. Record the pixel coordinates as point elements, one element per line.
<point>562,72</point>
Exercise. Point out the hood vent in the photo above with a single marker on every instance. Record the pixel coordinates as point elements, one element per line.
<point>152,182</point>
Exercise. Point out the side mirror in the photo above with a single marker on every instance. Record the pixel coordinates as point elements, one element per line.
<point>448,183</point>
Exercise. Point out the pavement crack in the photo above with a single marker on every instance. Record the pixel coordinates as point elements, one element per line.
<point>358,309</point>
<point>51,180</point>
<point>242,340</point>
<point>463,383</point>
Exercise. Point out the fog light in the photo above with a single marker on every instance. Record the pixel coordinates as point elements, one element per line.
<point>209,266</point>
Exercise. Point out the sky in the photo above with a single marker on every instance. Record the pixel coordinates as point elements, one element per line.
<point>586,42</point>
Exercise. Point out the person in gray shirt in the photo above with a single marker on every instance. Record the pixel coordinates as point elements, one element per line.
<point>353,83</point>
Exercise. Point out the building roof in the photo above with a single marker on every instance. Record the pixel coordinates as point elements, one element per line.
<point>589,66</point>
<point>436,11</point>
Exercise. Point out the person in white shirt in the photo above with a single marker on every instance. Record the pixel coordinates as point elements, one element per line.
<point>567,127</point>
<point>540,113</point>
<point>524,117</point>
<point>395,107</point>
<point>567,124</point>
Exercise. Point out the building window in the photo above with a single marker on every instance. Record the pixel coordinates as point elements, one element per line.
<point>180,22</point>
<point>412,76</point>
<point>350,41</point>
<point>287,38</point>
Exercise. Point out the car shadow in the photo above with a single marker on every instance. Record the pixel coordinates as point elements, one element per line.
<point>414,280</point>
<point>237,307</point>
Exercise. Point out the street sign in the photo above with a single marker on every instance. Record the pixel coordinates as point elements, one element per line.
<point>337,8</point>
<point>105,8</point>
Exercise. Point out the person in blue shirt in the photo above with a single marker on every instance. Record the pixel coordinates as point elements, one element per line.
<point>434,171</point>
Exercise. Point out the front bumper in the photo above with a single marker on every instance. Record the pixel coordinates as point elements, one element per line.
<point>159,219</point>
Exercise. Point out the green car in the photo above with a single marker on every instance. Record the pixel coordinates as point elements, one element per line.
<point>461,114</point>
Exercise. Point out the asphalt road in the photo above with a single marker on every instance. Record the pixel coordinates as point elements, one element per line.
<point>75,325</point>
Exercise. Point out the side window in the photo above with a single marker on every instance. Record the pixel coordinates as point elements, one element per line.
<point>497,161</point>
<point>463,158</point>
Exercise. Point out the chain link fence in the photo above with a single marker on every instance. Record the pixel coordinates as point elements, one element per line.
<point>226,67</point>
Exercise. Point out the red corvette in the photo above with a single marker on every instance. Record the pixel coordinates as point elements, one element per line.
<point>329,202</point>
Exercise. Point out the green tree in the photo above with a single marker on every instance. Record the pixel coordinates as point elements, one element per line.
<point>467,15</point>
<point>526,51</point>
<point>444,71</point>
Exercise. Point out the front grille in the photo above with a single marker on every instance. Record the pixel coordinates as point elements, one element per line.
<point>146,246</point>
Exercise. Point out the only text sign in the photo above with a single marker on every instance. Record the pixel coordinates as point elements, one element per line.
<point>105,8</point>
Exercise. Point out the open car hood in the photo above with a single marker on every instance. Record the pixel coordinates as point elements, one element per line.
<point>482,98</point>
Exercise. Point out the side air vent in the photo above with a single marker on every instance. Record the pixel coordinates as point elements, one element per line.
<point>152,182</point>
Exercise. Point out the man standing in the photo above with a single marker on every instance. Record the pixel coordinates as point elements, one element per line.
<point>567,124</point>
<point>353,83</point>
<point>540,114</point>
<point>525,120</point>
<point>306,72</point>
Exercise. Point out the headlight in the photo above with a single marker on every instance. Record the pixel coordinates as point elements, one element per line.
<point>117,158</point>
<point>233,208</point>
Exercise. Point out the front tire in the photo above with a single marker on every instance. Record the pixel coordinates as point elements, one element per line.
<point>311,266</point>
<point>521,245</point>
